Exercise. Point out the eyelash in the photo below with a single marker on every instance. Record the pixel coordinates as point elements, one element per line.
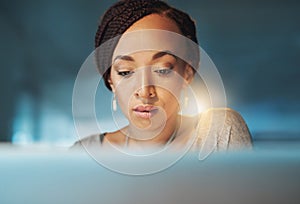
<point>163,71</point>
<point>125,73</point>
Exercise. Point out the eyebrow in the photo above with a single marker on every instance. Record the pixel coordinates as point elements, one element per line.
<point>124,57</point>
<point>155,56</point>
<point>163,53</point>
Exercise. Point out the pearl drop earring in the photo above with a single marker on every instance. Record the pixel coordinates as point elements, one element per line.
<point>114,103</point>
<point>186,100</point>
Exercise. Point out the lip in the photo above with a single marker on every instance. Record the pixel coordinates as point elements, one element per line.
<point>145,111</point>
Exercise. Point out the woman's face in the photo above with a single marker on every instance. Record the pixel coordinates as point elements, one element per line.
<point>148,83</point>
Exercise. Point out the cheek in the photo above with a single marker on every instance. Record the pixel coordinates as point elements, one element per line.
<point>168,91</point>
<point>172,90</point>
<point>169,100</point>
<point>124,98</point>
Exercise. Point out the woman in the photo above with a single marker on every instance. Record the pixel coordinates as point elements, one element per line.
<point>148,83</point>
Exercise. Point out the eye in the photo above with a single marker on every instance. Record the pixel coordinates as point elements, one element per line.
<point>125,73</point>
<point>164,71</point>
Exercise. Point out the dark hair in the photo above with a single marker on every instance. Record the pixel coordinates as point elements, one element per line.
<point>119,17</point>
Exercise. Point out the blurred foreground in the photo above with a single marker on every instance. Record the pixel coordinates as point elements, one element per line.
<point>39,174</point>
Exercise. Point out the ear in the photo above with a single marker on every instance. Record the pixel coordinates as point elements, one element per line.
<point>188,74</point>
<point>111,85</point>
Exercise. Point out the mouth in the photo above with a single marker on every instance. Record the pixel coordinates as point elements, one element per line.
<point>145,112</point>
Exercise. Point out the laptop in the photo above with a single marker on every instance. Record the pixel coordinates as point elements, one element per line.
<point>35,174</point>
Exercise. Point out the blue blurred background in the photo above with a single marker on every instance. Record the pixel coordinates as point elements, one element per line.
<point>255,44</point>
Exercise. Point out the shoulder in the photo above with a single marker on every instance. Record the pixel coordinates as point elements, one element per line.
<point>222,117</point>
<point>88,141</point>
<point>221,112</point>
<point>224,128</point>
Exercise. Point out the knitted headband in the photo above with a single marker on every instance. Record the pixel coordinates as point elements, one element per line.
<point>122,15</point>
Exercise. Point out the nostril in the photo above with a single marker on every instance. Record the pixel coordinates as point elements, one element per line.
<point>152,93</point>
<point>146,92</point>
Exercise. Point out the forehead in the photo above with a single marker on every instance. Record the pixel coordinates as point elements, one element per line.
<point>151,40</point>
<point>146,57</point>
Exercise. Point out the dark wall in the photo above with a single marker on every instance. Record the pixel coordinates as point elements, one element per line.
<point>254,44</point>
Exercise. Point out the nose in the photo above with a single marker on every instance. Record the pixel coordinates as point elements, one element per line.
<point>146,92</point>
<point>146,89</point>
